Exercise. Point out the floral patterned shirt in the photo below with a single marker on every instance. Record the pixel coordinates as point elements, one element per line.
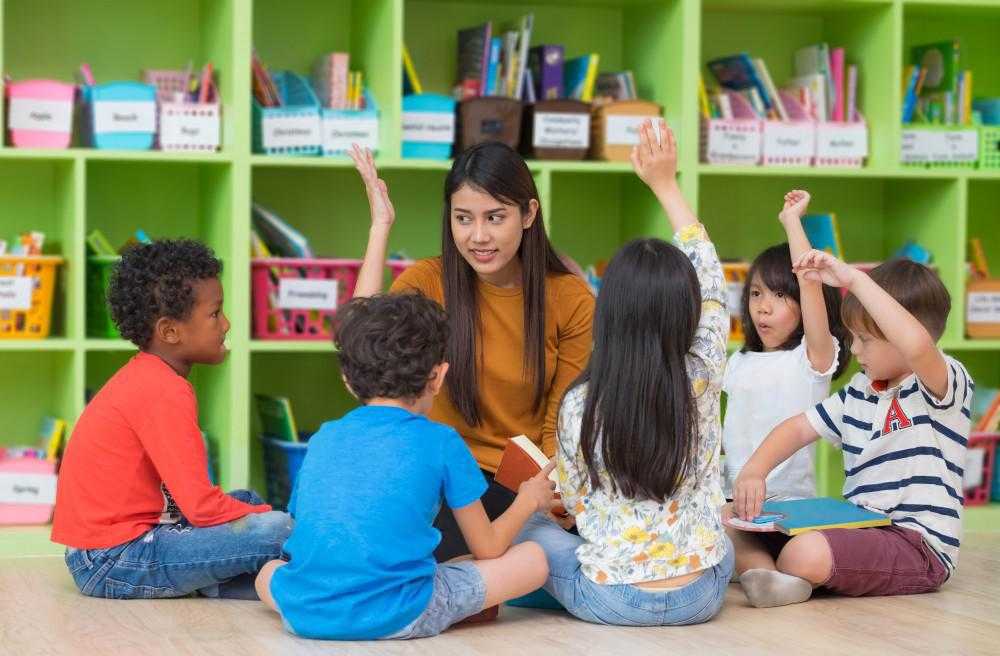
<point>633,541</point>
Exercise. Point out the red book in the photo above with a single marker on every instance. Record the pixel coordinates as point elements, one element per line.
<point>521,460</point>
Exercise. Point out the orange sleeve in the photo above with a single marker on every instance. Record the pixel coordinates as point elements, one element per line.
<point>574,309</point>
<point>424,277</point>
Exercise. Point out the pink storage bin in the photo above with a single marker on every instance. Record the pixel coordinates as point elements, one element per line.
<point>40,113</point>
<point>736,141</point>
<point>27,490</point>
<point>980,466</point>
<point>297,299</point>
<point>183,126</point>
<point>841,144</point>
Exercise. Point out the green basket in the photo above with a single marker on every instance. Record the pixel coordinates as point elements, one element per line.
<point>970,164</point>
<point>989,147</point>
<point>99,323</point>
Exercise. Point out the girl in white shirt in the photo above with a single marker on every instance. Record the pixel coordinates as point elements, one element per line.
<point>795,345</point>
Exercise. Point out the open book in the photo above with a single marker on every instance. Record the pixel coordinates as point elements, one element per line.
<point>521,460</point>
<point>802,515</point>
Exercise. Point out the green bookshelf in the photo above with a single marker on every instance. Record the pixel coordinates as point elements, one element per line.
<point>590,207</point>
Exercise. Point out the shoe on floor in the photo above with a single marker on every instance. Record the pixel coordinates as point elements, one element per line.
<point>767,588</point>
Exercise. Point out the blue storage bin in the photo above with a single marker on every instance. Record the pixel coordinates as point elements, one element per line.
<point>344,127</point>
<point>428,126</point>
<point>119,115</point>
<point>294,127</point>
<point>282,461</point>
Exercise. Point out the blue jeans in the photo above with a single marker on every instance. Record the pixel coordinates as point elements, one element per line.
<point>623,605</point>
<point>459,591</point>
<point>175,560</point>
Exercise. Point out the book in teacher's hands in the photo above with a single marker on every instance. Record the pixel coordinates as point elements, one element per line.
<point>802,515</point>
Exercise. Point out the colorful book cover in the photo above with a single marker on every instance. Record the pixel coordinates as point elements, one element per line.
<point>575,76</point>
<point>276,418</point>
<point>473,59</point>
<point>496,44</point>
<point>940,60</point>
<point>815,60</point>
<point>802,515</point>
<point>837,72</point>
<point>590,81</point>
<point>523,43</point>
<point>546,65</point>
<point>823,233</point>
<point>737,72</point>
<point>411,83</point>
<point>772,91</point>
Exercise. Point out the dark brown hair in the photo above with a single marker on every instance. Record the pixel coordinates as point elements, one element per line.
<point>916,287</point>
<point>495,169</point>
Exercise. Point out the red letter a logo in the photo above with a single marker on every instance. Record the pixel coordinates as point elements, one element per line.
<point>895,419</point>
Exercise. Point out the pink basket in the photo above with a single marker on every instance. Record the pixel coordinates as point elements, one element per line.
<point>27,490</point>
<point>297,299</point>
<point>40,113</point>
<point>979,494</point>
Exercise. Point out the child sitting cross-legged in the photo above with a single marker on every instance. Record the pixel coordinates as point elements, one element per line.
<point>362,551</point>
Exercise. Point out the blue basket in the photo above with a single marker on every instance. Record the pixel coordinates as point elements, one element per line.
<point>298,115</point>
<point>119,115</point>
<point>282,461</point>
<point>426,132</point>
<point>366,120</point>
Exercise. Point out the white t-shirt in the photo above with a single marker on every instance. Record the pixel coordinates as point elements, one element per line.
<point>763,390</point>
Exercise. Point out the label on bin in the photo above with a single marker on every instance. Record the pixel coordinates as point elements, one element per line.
<point>429,127</point>
<point>15,292</point>
<point>305,294</point>
<point>733,143</point>
<point>41,115</point>
<point>561,130</point>
<point>194,128</point>
<point>124,116</point>
<point>980,307</point>
<point>788,141</point>
<point>16,487</point>
<point>917,146</point>
<point>841,140</point>
<point>624,130</point>
<point>290,131</point>
<point>961,145</point>
<point>340,133</point>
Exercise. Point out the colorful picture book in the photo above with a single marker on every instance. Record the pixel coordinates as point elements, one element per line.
<point>276,417</point>
<point>802,515</point>
<point>823,233</point>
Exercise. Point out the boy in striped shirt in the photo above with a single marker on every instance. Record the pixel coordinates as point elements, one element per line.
<point>902,424</point>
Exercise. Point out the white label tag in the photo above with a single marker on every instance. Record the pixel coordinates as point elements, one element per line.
<point>980,307</point>
<point>15,292</point>
<point>124,116</point>
<point>27,488</point>
<point>41,115</point>
<point>340,133</point>
<point>429,127</point>
<point>304,294</point>
<point>789,140</point>
<point>975,462</point>
<point>917,146</point>
<point>841,140</point>
<point>732,145</point>
<point>290,131</point>
<point>961,145</point>
<point>561,130</point>
<point>624,130</point>
<point>734,297</point>
<point>189,129</point>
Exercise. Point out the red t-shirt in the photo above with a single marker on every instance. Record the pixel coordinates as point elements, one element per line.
<point>136,449</point>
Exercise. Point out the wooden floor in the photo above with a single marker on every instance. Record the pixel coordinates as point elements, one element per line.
<point>42,613</point>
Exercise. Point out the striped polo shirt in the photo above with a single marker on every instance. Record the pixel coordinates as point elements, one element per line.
<point>904,451</point>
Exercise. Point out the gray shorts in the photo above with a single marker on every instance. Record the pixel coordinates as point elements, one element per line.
<point>459,591</point>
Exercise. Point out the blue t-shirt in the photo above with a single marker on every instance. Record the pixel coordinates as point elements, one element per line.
<point>362,563</point>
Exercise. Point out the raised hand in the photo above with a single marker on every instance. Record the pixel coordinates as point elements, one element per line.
<point>824,267</point>
<point>655,158</point>
<point>796,204</point>
<point>382,211</point>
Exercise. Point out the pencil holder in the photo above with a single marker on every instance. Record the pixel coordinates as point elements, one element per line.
<point>556,129</point>
<point>731,141</point>
<point>119,115</point>
<point>40,113</point>
<point>615,127</point>
<point>428,126</point>
<point>342,128</point>
<point>183,126</point>
<point>294,127</point>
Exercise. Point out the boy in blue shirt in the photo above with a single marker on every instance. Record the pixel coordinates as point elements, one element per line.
<point>361,553</point>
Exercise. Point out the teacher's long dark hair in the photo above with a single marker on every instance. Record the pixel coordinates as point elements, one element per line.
<point>499,171</point>
<point>640,409</point>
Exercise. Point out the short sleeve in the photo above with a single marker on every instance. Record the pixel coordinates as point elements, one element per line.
<point>827,416</point>
<point>463,481</point>
<point>425,277</point>
<point>957,398</point>
<point>819,376</point>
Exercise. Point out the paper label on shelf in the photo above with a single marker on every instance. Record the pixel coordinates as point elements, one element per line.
<point>340,133</point>
<point>841,140</point>
<point>15,292</point>
<point>734,297</point>
<point>789,140</point>
<point>980,307</point>
<point>975,461</point>
<point>25,488</point>
<point>917,146</point>
<point>184,129</point>
<point>624,130</point>
<point>429,127</point>
<point>124,116</point>
<point>733,145</point>
<point>279,132</point>
<point>40,115</point>
<point>305,294</point>
<point>561,130</point>
<point>961,145</point>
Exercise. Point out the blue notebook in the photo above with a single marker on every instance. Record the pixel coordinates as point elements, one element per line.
<point>801,515</point>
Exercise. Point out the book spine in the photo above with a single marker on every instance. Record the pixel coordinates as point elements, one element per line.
<point>837,71</point>
<point>551,82</point>
<point>338,75</point>
<point>852,94</point>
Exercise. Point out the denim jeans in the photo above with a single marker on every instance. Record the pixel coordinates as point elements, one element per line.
<point>623,605</point>
<point>175,560</point>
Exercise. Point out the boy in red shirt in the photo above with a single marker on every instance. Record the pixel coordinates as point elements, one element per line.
<point>134,504</point>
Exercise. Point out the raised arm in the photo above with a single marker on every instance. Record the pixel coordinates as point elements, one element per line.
<point>819,341</point>
<point>383,214</point>
<point>655,162</point>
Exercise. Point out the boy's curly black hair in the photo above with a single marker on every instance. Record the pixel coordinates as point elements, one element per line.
<point>390,343</point>
<point>155,280</point>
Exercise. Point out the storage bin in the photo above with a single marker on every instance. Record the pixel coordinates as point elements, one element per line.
<point>615,127</point>
<point>99,323</point>
<point>294,127</point>
<point>841,144</point>
<point>27,490</point>
<point>736,276</point>
<point>184,126</point>
<point>982,309</point>
<point>27,288</point>
<point>119,115</point>
<point>489,119</point>
<point>731,141</point>
<point>556,129</point>
<point>342,128</point>
<point>298,298</point>
<point>428,126</point>
<point>989,146</point>
<point>40,113</point>
<point>282,462</point>
<point>980,468</point>
<point>940,146</point>
<point>788,143</point>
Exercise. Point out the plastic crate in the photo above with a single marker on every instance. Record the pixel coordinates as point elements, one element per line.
<point>731,141</point>
<point>980,460</point>
<point>989,146</point>
<point>120,115</point>
<point>183,126</point>
<point>40,113</point>
<point>294,127</point>
<point>99,323</point>
<point>282,462</point>
<point>27,287</point>
<point>27,490</point>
